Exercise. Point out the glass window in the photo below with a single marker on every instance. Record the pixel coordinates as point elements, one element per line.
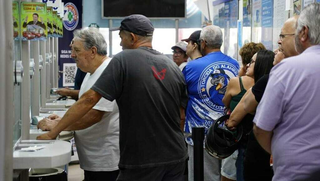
<point>116,48</point>
<point>160,42</point>
<point>105,33</point>
<point>186,32</point>
<point>164,39</point>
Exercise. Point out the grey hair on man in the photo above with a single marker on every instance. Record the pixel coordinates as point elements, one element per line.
<point>92,38</point>
<point>310,17</point>
<point>212,35</point>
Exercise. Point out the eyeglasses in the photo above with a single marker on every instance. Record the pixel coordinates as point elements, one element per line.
<point>200,40</point>
<point>252,62</point>
<point>282,36</point>
<point>177,52</point>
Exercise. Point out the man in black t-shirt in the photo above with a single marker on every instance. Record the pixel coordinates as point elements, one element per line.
<point>149,89</point>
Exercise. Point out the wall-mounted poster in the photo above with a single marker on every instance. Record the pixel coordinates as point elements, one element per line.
<point>267,23</point>
<point>55,22</point>
<point>34,21</point>
<point>256,10</point>
<point>256,21</point>
<point>296,7</point>
<point>69,72</point>
<point>72,20</point>
<point>246,13</point>
<point>247,9</point>
<point>60,27</point>
<point>49,21</point>
<point>280,15</point>
<point>15,16</point>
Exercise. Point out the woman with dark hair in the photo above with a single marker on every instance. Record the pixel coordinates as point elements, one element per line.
<point>260,64</point>
<point>263,63</point>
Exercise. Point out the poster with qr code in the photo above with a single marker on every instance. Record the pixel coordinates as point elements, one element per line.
<point>69,73</point>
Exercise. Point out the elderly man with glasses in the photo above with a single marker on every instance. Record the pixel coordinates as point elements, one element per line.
<point>287,120</point>
<point>286,37</point>
<point>179,54</point>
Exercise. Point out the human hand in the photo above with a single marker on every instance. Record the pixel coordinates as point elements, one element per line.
<point>231,124</point>
<point>242,71</point>
<point>45,136</point>
<point>47,124</point>
<point>63,91</point>
<point>53,116</point>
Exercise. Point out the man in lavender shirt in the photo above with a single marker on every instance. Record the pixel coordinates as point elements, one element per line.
<point>287,122</point>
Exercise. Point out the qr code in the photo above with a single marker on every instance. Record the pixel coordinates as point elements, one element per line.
<point>69,72</point>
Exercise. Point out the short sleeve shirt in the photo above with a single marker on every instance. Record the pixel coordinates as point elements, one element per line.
<point>149,89</point>
<point>207,80</point>
<point>98,145</point>
<point>290,108</point>
<point>259,87</point>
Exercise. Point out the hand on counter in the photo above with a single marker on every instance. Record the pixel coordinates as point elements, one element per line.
<point>54,116</point>
<point>48,124</point>
<point>68,92</point>
<point>63,91</point>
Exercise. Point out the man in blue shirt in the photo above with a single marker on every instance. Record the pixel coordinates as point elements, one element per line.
<point>206,79</point>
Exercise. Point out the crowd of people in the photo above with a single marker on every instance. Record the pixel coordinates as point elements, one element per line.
<point>136,110</point>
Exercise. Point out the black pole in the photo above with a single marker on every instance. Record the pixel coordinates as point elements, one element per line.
<point>198,136</point>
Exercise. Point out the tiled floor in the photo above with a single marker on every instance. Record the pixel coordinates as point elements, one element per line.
<point>75,173</point>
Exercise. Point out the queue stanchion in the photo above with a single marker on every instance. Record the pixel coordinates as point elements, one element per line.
<point>198,137</point>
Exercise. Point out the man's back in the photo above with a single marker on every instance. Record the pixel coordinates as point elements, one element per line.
<point>291,111</point>
<point>149,89</point>
<point>207,78</point>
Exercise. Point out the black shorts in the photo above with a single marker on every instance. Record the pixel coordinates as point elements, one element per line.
<point>104,175</point>
<point>161,173</point>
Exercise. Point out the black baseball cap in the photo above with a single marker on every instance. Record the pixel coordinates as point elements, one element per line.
<point>137,24</point>
<point>195,36</point>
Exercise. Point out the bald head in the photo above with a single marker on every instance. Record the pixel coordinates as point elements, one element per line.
<point>286,39</point>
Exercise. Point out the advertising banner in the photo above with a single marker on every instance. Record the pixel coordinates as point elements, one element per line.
<point>55,22</point>
<point>72,20</point>
<point>50,21</point>
<point>246,13</point>
<point>15,16</point>
<point>34,21</point>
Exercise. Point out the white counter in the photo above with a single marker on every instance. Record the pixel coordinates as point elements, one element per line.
<point>55,153</point>
<point>60,104</point>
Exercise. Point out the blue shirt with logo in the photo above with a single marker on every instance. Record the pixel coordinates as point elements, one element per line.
<point>207,80</point>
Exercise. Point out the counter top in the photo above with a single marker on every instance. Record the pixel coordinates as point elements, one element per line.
<point>53,154</point>
<point>60,104</point>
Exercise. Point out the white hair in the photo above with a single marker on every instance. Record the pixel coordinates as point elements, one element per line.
<point>92,38</point>
<point>212,35</point>
<point>310,17</point>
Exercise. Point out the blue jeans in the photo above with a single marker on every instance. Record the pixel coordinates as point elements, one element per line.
<point>239,163</point>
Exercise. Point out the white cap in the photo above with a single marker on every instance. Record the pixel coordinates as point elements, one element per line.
<point>182,45</point>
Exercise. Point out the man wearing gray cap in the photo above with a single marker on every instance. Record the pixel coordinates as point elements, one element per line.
<point>149,89</point>
<point>179,54</point>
